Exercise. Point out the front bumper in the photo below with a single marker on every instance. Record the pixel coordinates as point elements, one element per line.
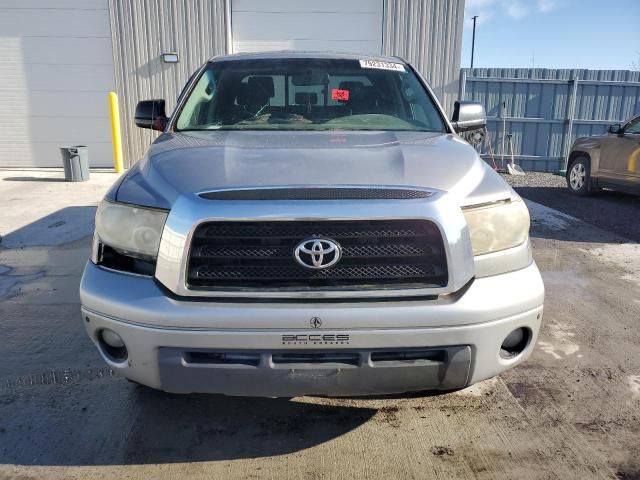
<point>272,349</point>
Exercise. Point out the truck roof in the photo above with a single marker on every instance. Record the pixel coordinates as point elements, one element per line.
<point>303,54</point>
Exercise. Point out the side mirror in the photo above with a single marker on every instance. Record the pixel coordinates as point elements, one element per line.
<point>151,114</point>
<point>615,129</point>
<point>468,116</point>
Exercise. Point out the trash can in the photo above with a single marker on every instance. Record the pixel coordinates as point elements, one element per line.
<point>75,160</point>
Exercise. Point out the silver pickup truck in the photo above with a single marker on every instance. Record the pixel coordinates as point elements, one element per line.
<point>311,224</point>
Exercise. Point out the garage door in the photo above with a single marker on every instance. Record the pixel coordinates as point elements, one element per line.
<point>56,68</point>
<point>335,25</point>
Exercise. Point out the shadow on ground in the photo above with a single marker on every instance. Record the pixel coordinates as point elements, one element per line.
<point>60,227</point>
<point>34,179</point>
<point>111,422</point>
<point>616,212</point>
<point>205,427</point>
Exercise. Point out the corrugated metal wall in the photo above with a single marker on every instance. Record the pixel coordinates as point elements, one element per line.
<point>144,29</point>
<point>427,33</point>
<point>546,109</point>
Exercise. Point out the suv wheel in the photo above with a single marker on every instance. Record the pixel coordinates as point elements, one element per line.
<point>579,176</point>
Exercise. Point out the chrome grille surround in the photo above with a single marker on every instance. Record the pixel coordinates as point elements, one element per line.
<point>190,211</point>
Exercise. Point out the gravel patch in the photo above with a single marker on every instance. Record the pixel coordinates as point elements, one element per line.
<point>612,211</point>
<point>535,179</point>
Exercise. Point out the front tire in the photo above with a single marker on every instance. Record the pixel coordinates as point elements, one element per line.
<point>579,176</point>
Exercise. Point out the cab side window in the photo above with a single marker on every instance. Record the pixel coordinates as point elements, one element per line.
<point>197,110</point>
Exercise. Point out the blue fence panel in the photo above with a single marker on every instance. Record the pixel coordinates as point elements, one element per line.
<point>535,107</point>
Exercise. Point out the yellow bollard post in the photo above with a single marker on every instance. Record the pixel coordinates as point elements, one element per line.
<point>116,137</point>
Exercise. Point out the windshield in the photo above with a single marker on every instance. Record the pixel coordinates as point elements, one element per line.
<point>309,94</point>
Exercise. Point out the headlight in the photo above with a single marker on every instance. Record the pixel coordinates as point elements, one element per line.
<point>497,227</point>
<point>133,231</point>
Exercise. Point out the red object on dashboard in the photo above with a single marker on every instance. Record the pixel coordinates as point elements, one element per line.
<point>339,95</point>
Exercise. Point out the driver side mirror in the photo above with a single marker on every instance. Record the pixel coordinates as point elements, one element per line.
<point>468,116</point>
<point>616,129</point>
<point>151,114</point>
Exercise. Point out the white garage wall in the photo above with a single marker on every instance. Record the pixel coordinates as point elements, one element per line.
<point>56,67</point>
<point>334,25</point>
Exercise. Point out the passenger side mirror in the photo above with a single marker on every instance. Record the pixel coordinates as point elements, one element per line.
<point>468,116</point>
<point>151,114</point>
<point>616,129</point>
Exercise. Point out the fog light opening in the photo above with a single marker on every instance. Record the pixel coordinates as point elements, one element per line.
<point>515,343</point>
<point>112,345</point>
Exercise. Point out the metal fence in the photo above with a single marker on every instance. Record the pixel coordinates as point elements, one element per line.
<point>545,109</point>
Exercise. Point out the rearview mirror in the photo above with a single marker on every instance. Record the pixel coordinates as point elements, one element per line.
<point>468,116</point>
<point>151,114</point>
<point>616,129</point>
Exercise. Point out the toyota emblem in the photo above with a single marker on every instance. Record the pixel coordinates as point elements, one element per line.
<point>316,322</point>
<point>317,253</point>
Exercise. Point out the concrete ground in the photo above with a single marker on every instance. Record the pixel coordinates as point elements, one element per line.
<point>571,411</point>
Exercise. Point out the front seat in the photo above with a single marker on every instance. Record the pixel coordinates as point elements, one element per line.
<point>307,100</point>
<point>365,100</point>
<point>256,95</point>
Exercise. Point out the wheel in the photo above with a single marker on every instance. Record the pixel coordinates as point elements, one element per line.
<point>579,176</point>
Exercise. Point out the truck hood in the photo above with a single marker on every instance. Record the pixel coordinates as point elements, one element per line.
<point>190,162</point>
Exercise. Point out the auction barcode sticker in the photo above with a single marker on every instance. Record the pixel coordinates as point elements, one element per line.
<point>398,67</point>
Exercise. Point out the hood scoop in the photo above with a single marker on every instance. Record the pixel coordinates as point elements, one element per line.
<point>319,193</point>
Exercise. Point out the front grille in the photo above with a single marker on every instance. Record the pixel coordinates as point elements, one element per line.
<point>260,255</point>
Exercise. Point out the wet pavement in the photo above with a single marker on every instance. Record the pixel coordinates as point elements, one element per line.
<point>571,411</point>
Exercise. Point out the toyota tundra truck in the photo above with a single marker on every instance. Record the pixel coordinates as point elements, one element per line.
<point>311,223</point>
